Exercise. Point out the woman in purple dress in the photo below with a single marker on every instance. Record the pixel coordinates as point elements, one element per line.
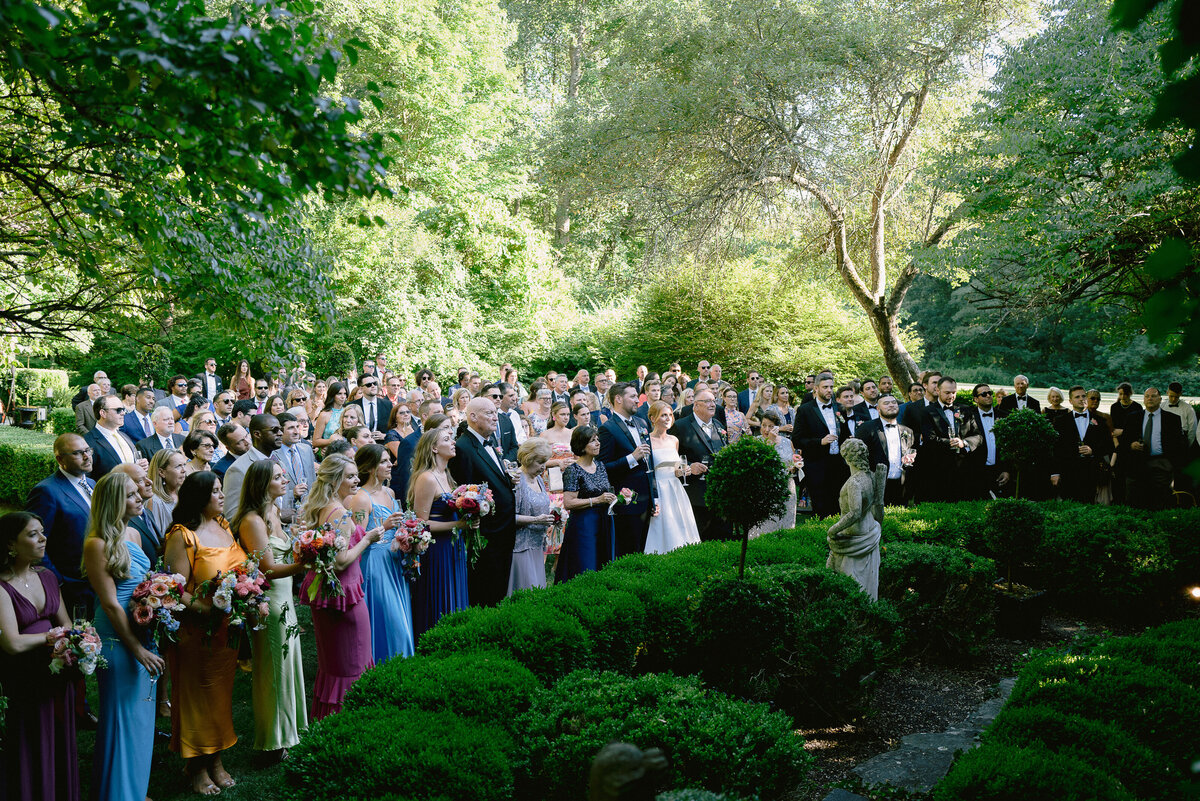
<point>37,756</point>
<point>341,622</point>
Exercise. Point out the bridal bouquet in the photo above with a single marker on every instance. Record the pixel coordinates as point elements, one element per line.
<point>77,647</point>
<point>155,602</point>
<point>319,548</point>
<point>471,502</point>
<point>241,594</point>
<point>411,539</point>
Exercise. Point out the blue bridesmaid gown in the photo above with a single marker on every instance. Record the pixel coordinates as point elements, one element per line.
<point>125,737</point>
<point>387,595</point>
<point>442,586</point>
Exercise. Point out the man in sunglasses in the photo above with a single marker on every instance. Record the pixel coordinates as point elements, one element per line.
<point>990,475</point>
<point>377,411</point>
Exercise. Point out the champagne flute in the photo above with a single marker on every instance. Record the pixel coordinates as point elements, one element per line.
<point>610,488</point>
<point>684,459</point>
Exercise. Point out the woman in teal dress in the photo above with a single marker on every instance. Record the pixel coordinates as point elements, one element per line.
<point>387,592</point>
<point>277,690</point>
<point>442,585</point>
<point>328,422</point>
<point>114,563</point>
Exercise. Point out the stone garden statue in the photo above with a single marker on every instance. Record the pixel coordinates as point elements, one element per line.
<point>623,772</point>
<point>854,538</point>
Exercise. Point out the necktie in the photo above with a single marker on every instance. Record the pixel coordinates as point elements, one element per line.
<point>166,442</point>
<point>291,457</point>
<point>371,416</point>
<point>87,490</point>
<point>1148,434</point>
<point>146,426</point>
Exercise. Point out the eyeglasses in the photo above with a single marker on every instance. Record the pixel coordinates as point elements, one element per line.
<point>493,397</point>
<point>300,399</point>
<point>180,384</point>
<point>84,452</point>
<point>260,386</point>
<point>368,383</point>
<point>983,394</point>
<point>117,409</point>
<point>224,400</point>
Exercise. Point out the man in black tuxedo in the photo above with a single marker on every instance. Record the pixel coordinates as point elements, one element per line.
<point>701,436</point>
<point>625,452</point>
<point>1154,446</point>
<point>377,411</point>
<point>891,444</point>
<point>885,385</point>
<point>869,408</point>
<point>561,392</point>
<point>990,475</point>
<point>818,434</point>
<point>1083,441</point>
<point>510,429</point>
<point>210,382</point>
<point>642,372</point>
<point>1019,399</point>
<point>164,436</point>
<point>949,436</point>
<point>753,382</point>
<point>478,460</point>
<point>847,412</point>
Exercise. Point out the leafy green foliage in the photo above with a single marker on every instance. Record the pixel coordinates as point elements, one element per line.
<point>1015,530</point>
<point>26,457</point>
<point>748,484</point>
<point>30,387</point>
<point>1024,439</point>
<point>712,741</point>
<point>154,362</point>
<point>1005,771</point>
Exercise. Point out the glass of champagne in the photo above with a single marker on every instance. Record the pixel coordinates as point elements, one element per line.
<point>684,460</point>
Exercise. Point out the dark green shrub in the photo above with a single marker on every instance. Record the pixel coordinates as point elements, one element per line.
<point>1177,655</point>
<point>1006,772</point>
<point>712,741</point>
<point>804,546</point>
<point>694,795</point>
<point>548,642</point>
<point>747,485</point>
<point>944,597</point>
<point>32,384</point>
<point>154,362</point>
<point>1161,711</point>
<point>1145,773</point>
<point>1024,439</point>
<point>26,457</point>
<point>802,637</point>
<point>488,687</point>
<point>956,524</point>
<point>402,755</point>
<point>62,421</point>
<point>1182,528</point>
<point>1014,530</point>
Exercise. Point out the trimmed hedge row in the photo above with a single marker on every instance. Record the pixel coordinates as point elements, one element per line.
<point>1118,723</point>
<point>26,457</point>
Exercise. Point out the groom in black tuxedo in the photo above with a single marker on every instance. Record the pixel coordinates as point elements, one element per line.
<point>477,460</point>
<point>700,436</point>
<point>625,452</point>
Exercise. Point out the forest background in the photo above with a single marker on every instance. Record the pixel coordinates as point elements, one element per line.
<point>984,187</point>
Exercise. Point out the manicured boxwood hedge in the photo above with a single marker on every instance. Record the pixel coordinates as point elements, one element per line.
<point>26,457</point>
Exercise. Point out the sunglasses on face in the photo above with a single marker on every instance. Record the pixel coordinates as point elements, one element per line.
<point>368,383</point>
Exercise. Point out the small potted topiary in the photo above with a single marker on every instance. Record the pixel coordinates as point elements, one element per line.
<point>747,485</point>
<point>1025,441</point>
<point>1013,529</point>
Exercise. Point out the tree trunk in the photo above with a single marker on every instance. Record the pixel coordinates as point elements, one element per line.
<point>901,366</point>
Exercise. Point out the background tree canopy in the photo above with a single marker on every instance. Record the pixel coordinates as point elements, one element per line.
<point>981,186</point>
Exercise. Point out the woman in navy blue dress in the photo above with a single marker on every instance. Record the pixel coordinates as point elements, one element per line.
<point>442,585</point>
<point>589,541</point>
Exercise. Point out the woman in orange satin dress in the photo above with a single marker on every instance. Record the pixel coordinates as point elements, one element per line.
<point>199,546</point>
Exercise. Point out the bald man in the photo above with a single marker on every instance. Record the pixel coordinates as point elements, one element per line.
<point>478,460</point>
<point>64,501</point>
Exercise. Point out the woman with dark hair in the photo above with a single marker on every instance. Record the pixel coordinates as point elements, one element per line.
<point>243,381</point>
<point>195,404</point>
<point>275,405</point>
<point>199,546</point>
<point>114,563</point>
<point>38,757</point>
<point>328,422</point>
<point>588,542</point>
<point>386,588</point>
<point>278,675</point>
<point>200,447</point>
<point>442,586</point>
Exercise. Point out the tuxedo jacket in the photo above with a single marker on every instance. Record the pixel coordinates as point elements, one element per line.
<point>873,434</point>
<point>1009,404</point>
<point>855,420</point>
<point>1096,436</point>
<point>104,456</point>
<point>148,446</point>
<point>698,447</point>
<point>1174,443</point>
<point>686,411</point>
<point>64,514</point>
<point>204,386</point>
<point>615,446</point>
<point>383,410</point>
<point>862,411</point>
<point>506,435</point>
<point>133,427</point>
<point>808,430</point>
<point>472,465</point>
<point>936,434</point>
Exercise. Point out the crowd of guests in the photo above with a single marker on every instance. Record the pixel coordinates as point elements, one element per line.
<point>200,477</point>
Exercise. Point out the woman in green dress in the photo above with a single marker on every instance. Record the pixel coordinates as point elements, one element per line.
<point>278,676</point>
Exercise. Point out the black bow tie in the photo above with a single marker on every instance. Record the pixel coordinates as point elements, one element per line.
<point>948,408</point>
<point>985,414</point>
<point>1081,414</point>
<point>891,425</point>
<point>826,405</point>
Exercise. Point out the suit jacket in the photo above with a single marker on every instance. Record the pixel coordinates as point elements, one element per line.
<point>808,430</point>
<point>148,446</point>
<point>204,386</point>
<point>615,446</point>
<point>1097,436</point>
<point>686,411</point>
<point>221,466</point>
<point>1174,443</point>
<point>152,544</point>
<point>936,435</point>
<point>234,476</point>
<point>304,471</point>
<point>698,447</point>
<point>85,417</point>
<point>64,513</point>
<point>104,455</point>
<point>855,419</point>
<point>133,427</point>
<point>872,433</point>
<point>506,435</point>
<point>488,579</point>
<point>862,411</point>
<point>1009,404</point>
<point>912,415</point>
<point>744,398</point>
<point>383,407</point>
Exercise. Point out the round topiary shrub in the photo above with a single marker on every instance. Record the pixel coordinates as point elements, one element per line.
<point>804,638</point>
<point>401,755</point>
<point>747,485</point>
<point>711,740</point>
<point>1145,773</point>
<point>1014,530</point>
<point>1006,772</point>
<point>483,686</point>
<point>1024,439</point>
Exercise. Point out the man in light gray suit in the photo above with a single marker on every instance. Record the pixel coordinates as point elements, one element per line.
<point>85,413</point>
<point>266,435</point>
<point>296,457</point>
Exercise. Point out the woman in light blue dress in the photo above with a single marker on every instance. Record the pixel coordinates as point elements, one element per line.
<point>115,564</point>
<point>387,592</point>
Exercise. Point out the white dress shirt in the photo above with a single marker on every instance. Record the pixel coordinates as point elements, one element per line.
<point>988,419</point>
<point>210,386</point>
<point>891,432</point>
<point>119,444</point>
<point>490,451</point>
<point>1081,423</point>
<point>518,425</point>
<point>831,422</point>
<point>633,434</point>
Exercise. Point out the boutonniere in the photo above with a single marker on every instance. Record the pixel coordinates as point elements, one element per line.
<point>1093,421</point>
<point>958,415</point>
<point>841,417</point>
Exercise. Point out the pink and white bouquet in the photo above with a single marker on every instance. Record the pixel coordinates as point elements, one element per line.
<point>239,593</point>
<point>155,603</point>
<point>410,540</point>
<point>77,647</point>
<point>471,502</point>
<point>319,548</point>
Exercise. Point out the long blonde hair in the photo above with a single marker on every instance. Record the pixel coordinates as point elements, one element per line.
<point>158,464</point>
<point>423,460</point>
<point>106,522</point>
<point>330,475</point>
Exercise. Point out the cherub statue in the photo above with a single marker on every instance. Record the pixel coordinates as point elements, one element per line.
<point>854,538</point>
<point>623,772</point>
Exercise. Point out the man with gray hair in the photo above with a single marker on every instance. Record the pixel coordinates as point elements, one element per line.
<point>1019,399</point>
<point>85,414</point>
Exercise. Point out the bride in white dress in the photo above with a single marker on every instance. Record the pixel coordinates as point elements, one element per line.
<point>674,526</point>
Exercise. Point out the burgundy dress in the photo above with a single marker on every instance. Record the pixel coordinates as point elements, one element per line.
<point>343,631</point>
<point>37,759</point>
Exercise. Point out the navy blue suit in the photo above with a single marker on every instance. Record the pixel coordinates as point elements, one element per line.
<point>133,428</point>
<point>221,465</point>
<point>151,445</point>
<point>104,456</point>
<point>744,398</point>
<point>506,435</point>
<point>65,514</point>
<point>631,521</point>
